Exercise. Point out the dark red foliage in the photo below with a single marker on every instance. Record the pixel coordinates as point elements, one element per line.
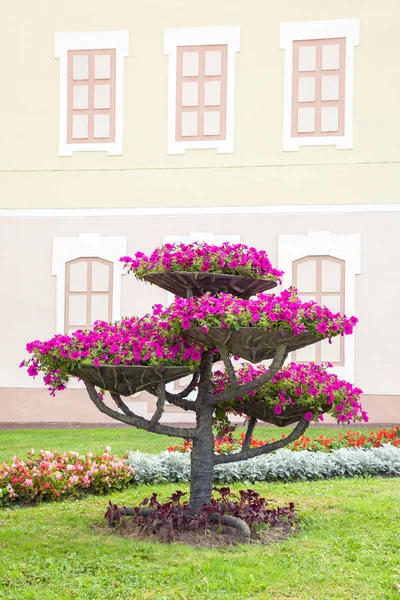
<point>173,515</point>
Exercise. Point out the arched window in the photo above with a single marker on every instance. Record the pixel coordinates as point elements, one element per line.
<point>322,279</point>
<point>88,292</point>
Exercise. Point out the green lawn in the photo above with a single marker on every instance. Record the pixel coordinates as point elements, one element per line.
<point>348,547</point>
<point>19,442</point>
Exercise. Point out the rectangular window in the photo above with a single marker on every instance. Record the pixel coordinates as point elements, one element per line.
<point>91,91</point>
<point>201,86</point>
<point>322,279</point>
<point>319,82</point>
<point>91,96</point>
<point>318,87</point>
<point>88,292</point>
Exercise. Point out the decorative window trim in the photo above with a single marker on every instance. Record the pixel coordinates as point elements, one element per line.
<point>316,30</point>
<point>201,36</point>
<point>344,246</point>
<point>92,40</point>
<point>89,245</point>
<point>318,294</point>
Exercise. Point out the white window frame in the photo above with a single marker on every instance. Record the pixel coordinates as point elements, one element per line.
<point>92,40</point>
<point>319,30</point>
<point>89,245</point>
<point>324,243</point>
<point>201,36</point>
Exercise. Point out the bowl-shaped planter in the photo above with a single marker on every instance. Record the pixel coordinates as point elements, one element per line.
<point>251,343</point>
<point>187,284</point>
<point>128,380</point>
<point>258,409</point>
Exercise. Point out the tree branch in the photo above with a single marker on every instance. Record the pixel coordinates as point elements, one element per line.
<point>249,433</point>
<point>223,459</point>
<point>160,406</point>
<point>131,418</point>
<point>179,399</point>
<point>242,390</point>
<point>229,367</point>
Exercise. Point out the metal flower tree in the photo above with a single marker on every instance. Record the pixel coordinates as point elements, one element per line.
<point>213,318</point>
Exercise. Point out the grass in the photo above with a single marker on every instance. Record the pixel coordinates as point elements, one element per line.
<point>19,442</point>
<point>348,547</point>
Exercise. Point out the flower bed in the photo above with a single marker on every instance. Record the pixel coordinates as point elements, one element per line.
<point>297,390</point>
<point>147,341</point>
<point>55,476</point>
<point>249,513</point>
<point>283,465</point>
<point>232,259</point>
<point>350,439</point>
<point>269,312</point>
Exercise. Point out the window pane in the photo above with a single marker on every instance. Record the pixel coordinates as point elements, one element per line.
<point>80,96</point>
<point>101,127</point>
<point>212,123</point>
<point>330,56</point>
<point>77,310</point>
<point>101,96</point>
<point>307,58</point>
<point>307,276</point>
<point>102,66</point>
<point>80,66</point>
<point>190,64</point>
<point>331,302</point>
<point>331,352</point>
<point>307,297</point>
<point>100,277</point>
<point>213,64</point>
<point>78,277</point>
<point>306,120</point>
<point>189,123</point>
<point>330,87</point>
<point>306,91</point>
<point>190,93</point>
<point>306,354</point>
<point>329,118</point>
<point>80,128</point>
<point>99,308</point>
<point>331,276</point>
<point>212,93</point>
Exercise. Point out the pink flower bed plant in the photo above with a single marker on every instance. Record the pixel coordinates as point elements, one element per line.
<point>55,476</point>
<point>309,387</point>
<point>232,259</point>
<point>270,312</point>
<point>134,341</point>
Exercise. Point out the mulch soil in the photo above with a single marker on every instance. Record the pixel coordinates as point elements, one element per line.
<point>216,536</point>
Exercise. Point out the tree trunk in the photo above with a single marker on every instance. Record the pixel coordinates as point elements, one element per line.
<point>202,458</point>
<point>202,461</point>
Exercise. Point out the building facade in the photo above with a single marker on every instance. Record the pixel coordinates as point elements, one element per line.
<point>163,121</point>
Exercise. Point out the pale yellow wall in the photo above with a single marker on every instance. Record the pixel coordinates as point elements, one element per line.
<point>258,172</point>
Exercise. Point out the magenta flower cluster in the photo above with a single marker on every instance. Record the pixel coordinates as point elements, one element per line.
<point>266,311</point>
<point>147,341</point>
<point>308,387</point>
<point>232,259</point>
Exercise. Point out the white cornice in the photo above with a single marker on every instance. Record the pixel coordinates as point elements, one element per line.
<point>288,209</point>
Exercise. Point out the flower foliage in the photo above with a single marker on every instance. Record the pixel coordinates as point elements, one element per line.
<point>55,476</point>
<point>283,465</point>
<point>270,312</point>
<point>174,515</point>
<point>306,388</point>
<point>232,259</point>
<point>147,341</point>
